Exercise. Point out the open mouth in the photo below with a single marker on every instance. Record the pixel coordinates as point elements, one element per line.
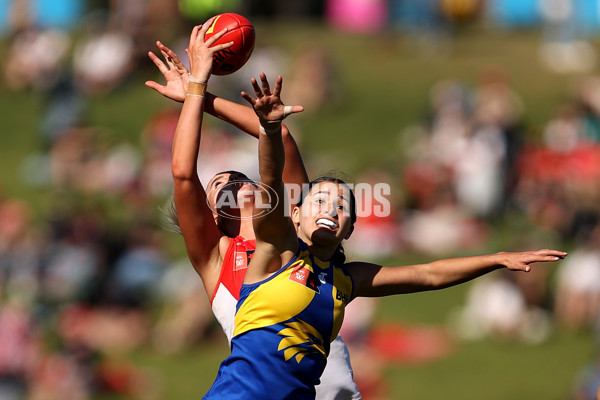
<point>327,224</point>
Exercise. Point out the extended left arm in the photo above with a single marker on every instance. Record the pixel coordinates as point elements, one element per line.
<point>373,280</point>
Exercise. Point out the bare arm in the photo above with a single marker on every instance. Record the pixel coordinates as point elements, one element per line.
<point>240,116</point>
<point>200,233</point>
<point>276,240</point>
<point>373,280</point>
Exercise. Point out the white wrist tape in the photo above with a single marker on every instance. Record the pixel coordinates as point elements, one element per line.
<point>275,126</point>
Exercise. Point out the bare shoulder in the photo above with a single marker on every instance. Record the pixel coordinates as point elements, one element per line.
<point>209,269</point>
<point>362,272</point>
<point>224,242</point>
<point>361,267</point>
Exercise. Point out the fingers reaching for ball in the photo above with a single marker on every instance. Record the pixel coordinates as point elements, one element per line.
<point>201,52</point>
<point>228,38</point>
<point>241,32</point>
<point>172,58</point>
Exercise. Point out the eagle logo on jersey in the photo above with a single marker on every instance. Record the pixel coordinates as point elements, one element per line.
<point>299,340</point>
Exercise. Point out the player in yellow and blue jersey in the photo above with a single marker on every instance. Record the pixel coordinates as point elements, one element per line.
<point>295,290</point>
<point>292,316</point>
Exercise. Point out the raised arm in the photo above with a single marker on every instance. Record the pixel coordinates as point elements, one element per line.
<point>199,230</point>
<point>276,240</point>
<point>374,280</point>
<point>242,117</point>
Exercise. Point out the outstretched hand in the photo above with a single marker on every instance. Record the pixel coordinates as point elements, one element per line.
<point>268,106</point>
<point>175,73</point>
<point>520,261</point>
<point>201,52</point>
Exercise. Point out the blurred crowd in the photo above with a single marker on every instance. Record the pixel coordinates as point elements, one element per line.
<point>471,166</point>
<point>92,278</point>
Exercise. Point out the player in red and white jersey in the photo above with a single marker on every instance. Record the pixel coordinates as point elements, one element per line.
<point>220,241</point>
<point>227,292</point>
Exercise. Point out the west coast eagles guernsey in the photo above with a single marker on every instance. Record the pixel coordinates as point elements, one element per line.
<point>283,329</point>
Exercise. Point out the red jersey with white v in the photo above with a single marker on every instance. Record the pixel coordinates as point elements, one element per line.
<point>227,292</point>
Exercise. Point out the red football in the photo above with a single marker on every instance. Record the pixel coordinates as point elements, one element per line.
<point>241,32</point>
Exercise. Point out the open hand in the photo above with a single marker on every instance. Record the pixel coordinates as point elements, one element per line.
<point>520,261</point>
<point>268,106</point>
<point>175,73</point>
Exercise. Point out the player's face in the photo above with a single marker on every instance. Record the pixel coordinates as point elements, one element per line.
<point>325,215</point>
<point>230,189</point>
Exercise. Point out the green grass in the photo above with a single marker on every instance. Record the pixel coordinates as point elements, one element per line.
<point>19,136</point>
<point>386,81</point>
<point>186,375</point>
<point>495,371</point>
<point>485,369</point>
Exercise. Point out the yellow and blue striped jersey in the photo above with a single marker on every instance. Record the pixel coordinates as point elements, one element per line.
<point>283,328</point>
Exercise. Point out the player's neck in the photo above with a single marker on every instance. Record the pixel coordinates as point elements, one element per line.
<point>237,227</point>
<point>247,230</point>
<point>321,251</point>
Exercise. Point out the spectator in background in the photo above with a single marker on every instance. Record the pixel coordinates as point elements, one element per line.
<point>563,132</point>
<point>64,108</point>
<point>474,137</point>
<point>186,317</point>
<point>449,124</point>
<point>577,291</point>
<point>20,252</point>
<point>586,96</point>
<point>75,157</point>
<point>565,48</point>
<point>36,58</point>
<point>315,64</point>
<point>137,269</point>
<point>494,143</point>
<point>494,308</point>
<point>157,136</point>
<point>499,306</point>
<point>441,225</point>
<point>74,256</point>
<point>587,381</point>
<point>557,182</point>
<point>19,15</point>
<point>436,221</point>
<point>379,233</point>
<point>19,351</point>
<point>96,69</point>
<point>143,20</point>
